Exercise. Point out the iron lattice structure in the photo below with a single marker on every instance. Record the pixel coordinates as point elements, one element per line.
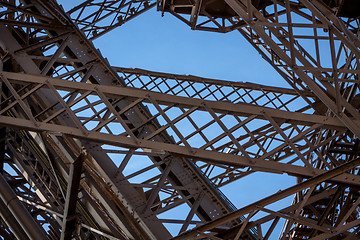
<point>92,151</point>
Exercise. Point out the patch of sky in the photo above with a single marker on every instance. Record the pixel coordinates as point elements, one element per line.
<point>196,141</point>
<point>200,118</point>
<point>92,124</point>
<point>185,127</point>
<point>212,131</point>
<point>239,132</point>
<point>297,162</point>
<point>137,163</point>
<point>115,127</point>
<point>216,171</point>
<point>62,93</point>
<point>166,44</point>
<point>10,169</point>
<point>180,213</point>
<point>174,112</point>
<point>157,43</point>
<point>255,187</point>
<point>230,121</point>
<point>223,141</point>
<point>175,136</point>
<point>116,158</point>
<point>111,147</point>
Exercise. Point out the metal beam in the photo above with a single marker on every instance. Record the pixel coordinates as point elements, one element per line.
<point>18,210</point>
<point>11,221</point>
<point>96,18</point>
<point>271,199</point>
<point>70,218</point>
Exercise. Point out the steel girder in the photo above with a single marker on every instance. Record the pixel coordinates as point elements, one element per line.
<point>83,89</point>
<point>260,205</point>
<point>327,80</point>
<point>318,142</point>
<point>314,45</point>
<point>95,18</point>
<point>27,44</point>
<point>96,95</point>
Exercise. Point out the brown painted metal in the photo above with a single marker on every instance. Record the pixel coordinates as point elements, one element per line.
<point>67,96</point>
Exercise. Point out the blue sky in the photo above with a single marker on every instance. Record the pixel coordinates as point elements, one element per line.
<point>166,44</point>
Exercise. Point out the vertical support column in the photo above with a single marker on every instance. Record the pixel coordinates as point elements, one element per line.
<point>70,218</point>
<point>18,210</point>
<point>2,129</point>
<point>2,147</point>
<point>11,222</point>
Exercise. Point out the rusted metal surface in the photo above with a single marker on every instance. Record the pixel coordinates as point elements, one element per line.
<point>183,136</point>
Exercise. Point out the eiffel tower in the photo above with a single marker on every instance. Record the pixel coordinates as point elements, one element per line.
<point>93,151</point>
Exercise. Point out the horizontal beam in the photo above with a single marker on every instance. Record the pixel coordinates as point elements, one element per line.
<point>211,156</point>
<point>198,79</point>
<point>218,107</point>
<point>188,151</point>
